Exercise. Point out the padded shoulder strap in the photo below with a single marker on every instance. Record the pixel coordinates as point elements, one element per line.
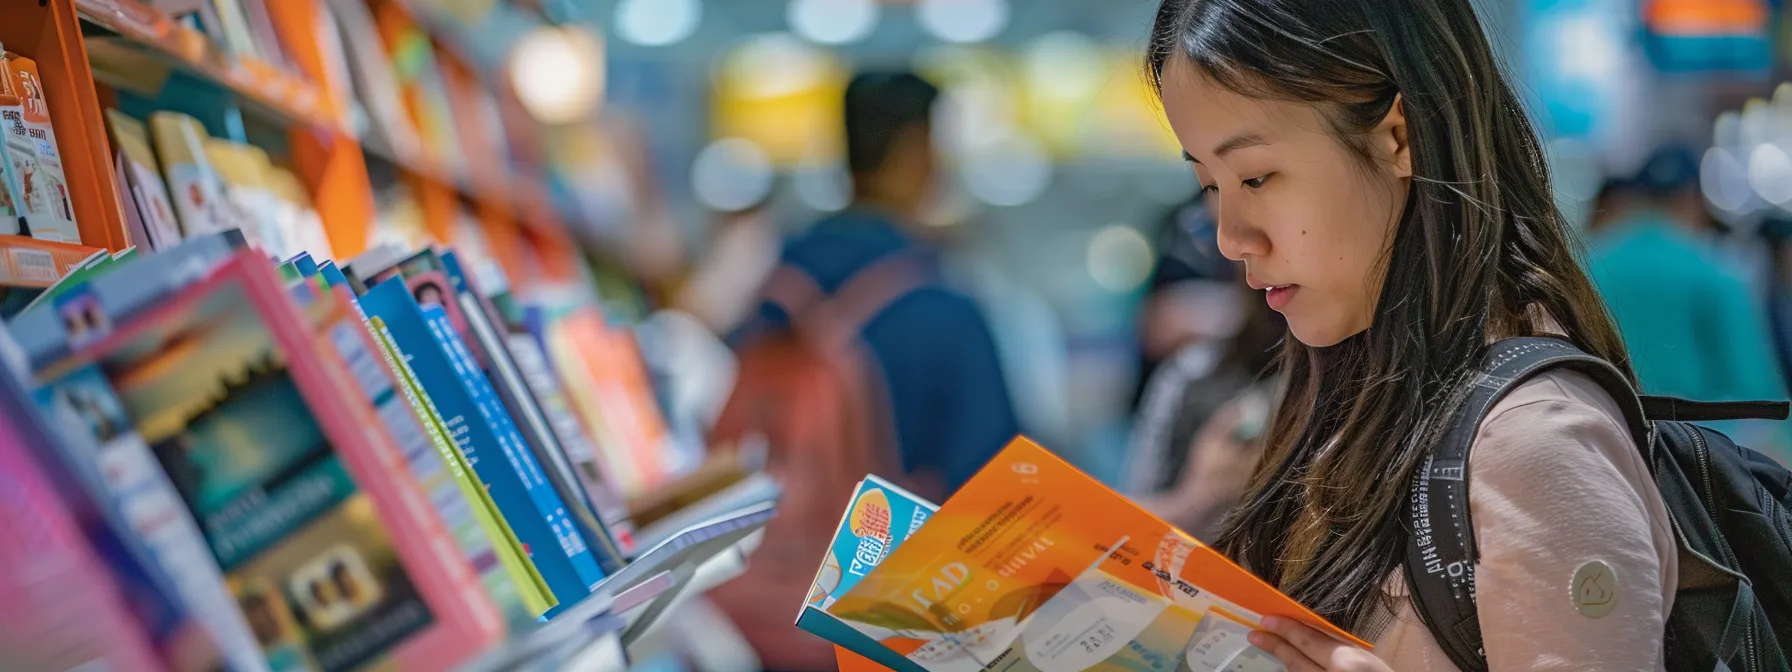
<point>1440,557</point>
<point>832,320</point>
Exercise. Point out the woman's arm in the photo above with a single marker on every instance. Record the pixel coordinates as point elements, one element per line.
<point>1571,533</point>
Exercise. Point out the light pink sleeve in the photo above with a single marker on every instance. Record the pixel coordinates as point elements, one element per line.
<point>1559,485</point>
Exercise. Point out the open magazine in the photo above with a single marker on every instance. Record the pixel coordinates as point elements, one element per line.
<point>1034,566</point>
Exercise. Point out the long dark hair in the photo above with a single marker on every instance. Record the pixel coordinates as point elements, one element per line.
<point>1480,252</point>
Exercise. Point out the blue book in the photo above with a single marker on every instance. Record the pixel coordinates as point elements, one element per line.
<point>485,435</point>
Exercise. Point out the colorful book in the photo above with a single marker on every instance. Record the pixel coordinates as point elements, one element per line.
<point>329,559</point>
<point>250,201</point>
<point>880,518</point>
<point>436,276</point>
<point>480,428</point>
<point>483,537</point>
<point>13,141</point>
<point>538,373</point>
<point>607,384</point>
<point>134,485</point>
<point>65,607</point>
<point>193,181</point>
<point>1036,566</point>
<point>342,329</point>
<point>49,208</point>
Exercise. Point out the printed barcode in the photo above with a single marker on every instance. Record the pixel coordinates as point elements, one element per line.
<point>35,265</point>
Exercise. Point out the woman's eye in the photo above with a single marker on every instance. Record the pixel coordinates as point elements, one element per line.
<point>1256,183</point>
<point>1210,189</point>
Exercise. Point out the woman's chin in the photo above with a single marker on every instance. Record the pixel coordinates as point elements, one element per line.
<point>1318,335</point>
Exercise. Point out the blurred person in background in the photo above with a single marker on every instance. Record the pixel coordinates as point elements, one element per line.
<point>875,366</point>
<point>1205,343</point>
<point>947,395</point>
<point>1199,433</point>
<point>1694,326</point>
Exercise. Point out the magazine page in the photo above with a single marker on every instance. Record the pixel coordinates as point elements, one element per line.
<point>1034,565</point>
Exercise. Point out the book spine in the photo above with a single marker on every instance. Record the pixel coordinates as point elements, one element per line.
<point>507,575</point>
<point>517,452</point>
<point>353,344</point>
<point>453,396</point>
<point>348,424</point>
<point>532,362</point>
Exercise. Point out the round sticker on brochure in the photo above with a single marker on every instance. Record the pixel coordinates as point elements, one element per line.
<point>1594,589</point>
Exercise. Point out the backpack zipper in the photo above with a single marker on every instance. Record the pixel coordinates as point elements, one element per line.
<point>1703,453</point>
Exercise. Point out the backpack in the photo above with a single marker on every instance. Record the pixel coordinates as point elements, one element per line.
<point>1731,509</point>
<point>815,396</point>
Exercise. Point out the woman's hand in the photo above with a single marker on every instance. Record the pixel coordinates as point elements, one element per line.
<point>1304,649</point>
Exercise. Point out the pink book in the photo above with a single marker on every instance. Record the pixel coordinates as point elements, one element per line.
<point>63,609</point>
<point>330,551</point>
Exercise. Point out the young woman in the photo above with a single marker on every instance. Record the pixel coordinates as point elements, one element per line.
<point>1379,180</point>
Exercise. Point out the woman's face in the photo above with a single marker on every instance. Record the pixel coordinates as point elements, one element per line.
<point>1308,217</point>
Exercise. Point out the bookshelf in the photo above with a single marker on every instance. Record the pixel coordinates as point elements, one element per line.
<point>89,48</point>
<point>28,262</point>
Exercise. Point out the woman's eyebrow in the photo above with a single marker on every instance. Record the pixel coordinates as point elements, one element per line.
<point>1234,143</point>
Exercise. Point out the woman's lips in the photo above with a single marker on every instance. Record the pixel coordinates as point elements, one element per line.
<point>1278,296</point>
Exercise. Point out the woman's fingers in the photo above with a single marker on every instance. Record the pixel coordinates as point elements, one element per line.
<point>1304,649</point>
<point>1290,656</point>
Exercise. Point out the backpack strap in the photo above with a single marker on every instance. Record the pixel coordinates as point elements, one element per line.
<point>832,321</point>
<point>1682,410</point>
<point>1440,554</point>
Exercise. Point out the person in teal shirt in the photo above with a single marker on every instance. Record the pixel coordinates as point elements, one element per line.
<point>1693,325</point>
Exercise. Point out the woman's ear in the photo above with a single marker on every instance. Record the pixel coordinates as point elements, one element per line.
<point>1391,133</point>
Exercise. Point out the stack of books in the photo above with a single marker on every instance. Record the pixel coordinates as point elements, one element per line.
<point>306,465</point>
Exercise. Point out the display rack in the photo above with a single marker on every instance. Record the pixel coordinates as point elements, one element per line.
<point>29,262</point>
<point>631,603</point>
<point>84,48</point>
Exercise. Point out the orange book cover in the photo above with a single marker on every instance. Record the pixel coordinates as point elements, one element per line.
<point>609,387</point>
<point>47,204</point>
<point>1034,565</point>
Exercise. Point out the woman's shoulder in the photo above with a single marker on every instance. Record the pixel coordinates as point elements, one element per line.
<point>1552,407</point>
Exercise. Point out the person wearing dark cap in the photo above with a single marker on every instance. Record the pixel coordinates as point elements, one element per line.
<point>1694,328</point>
<point>947,395</point>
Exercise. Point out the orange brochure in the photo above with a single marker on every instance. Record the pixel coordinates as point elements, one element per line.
<point>1034,565</point>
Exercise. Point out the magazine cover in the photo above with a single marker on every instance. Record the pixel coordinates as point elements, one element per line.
<point>1034,565</point>
<point>135,486</point>
<point>12,136</point>
<point>192,180</point>
<point>608,386</point>
<point>244,413</point>
<point>64,609</point>
<point>147,190</point>
<point>526,502</point>
<point>48,206</point>
<point>880,518</point>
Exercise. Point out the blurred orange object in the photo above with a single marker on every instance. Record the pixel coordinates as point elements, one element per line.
<point>852,662</point>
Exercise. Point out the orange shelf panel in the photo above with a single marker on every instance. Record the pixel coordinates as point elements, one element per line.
<point>29,262</point>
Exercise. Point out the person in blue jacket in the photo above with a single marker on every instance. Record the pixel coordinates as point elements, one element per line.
<point>950,402</point>
<point>1694,326</point>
